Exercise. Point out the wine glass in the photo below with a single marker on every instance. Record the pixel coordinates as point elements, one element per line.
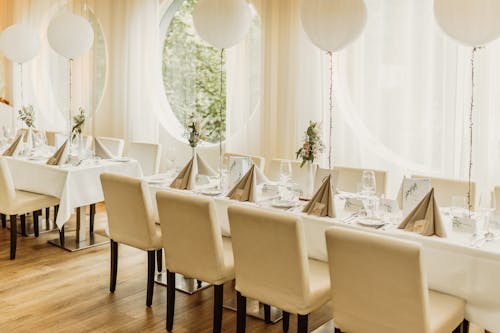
<point>368,182</point>
<point>487,205</point>
<point>171,157</point>
<point>285,171</point>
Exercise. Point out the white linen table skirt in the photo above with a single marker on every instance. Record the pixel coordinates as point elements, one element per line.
<point>75,186</point>
<point>452,267</point>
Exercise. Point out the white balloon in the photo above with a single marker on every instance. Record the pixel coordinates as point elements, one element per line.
<point>70,35</point>
<point>332,24</point>
<point>471,22</point>
<point>19,43</point>
<point>222,23</point>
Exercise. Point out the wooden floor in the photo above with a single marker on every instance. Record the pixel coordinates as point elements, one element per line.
<point>47,289</point>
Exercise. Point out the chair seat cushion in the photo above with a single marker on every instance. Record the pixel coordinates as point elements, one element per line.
<point>142,244</point>
<point>27,202</point>
<point>446,312</point>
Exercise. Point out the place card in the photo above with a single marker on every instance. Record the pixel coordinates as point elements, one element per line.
<point>238,166</point>
<point>412,193</point>
<point>388,206</point>
<point>353,205</point>
<point>463,224</point>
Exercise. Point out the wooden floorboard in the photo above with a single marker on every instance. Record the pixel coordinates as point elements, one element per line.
<point>47,289</point>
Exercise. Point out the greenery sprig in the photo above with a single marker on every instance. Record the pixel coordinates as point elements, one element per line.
<point>27,115</point>
<point>312,146</point>
<point>194,130</point>
<point>78,124</point>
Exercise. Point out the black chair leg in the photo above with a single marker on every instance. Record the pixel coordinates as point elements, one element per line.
<point>199,283</point>
<point>23,225</point>
<point>47,218</point>
<point>302,323</point>
<point>159,260</point>
<point>170,300</point>
<point>61,236</point>
<point>91,218</point>
<point>35,223</point>
<point>465,326</point>
<point>286,321</point>
<point>151,277</point>
<point>337,330</point>
<point>4,220</point>
<point>241,313</point>
<point>218,296</point>
<point>114,266</point>
<point>267,314</point>
<point>13,236</point>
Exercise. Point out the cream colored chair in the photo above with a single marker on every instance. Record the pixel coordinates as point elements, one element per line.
<point>148,155</point>
<point>321,174</point>
<point>131,222</point>
<point>114,145</point>
<point>299,175</point>
<point>348,179</point>
<point>445,189</point>
<point>14,202</point>
<point>259,161</point>
<point>497,198</point>
<point>194,247</point>
<point>379,285</point>
<point>271,265</point>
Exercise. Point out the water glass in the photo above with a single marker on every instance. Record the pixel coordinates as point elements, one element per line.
<point>368,182</point>
<point>285,171</point>
<point>458,205</point>
<point>487,205</point>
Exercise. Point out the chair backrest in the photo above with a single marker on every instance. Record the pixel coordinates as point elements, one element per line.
<point>445,189</point>
<point>148,155</point>
<point>321,174</point>
<point>270,256</point>
<point>377,283</point>
<point>7,189</point>
<point>51,138</point>
<point>191,236</point>
<point>349,178</point>
<point>114,145</point>
<point>259,161</point>
<point>130,211</point>
<point>299,175</point>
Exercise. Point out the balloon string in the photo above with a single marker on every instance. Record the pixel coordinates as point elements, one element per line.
<point>330,145</point>
<point>70,99</point>
<point>471,124</point>
<point>21,82</point>
<point>220,115</point>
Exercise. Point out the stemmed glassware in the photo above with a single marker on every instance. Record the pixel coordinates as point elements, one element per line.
<point>368,189</point>
<point>285,177</point>
<point>487,205</point>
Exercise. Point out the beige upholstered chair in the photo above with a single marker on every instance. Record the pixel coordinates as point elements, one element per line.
<point>348,179</point>
<point>321,174</point>
<point>114,145</point>
<point>131,222</point>
<point>14,202</point>
<point>271,265</point>
<point>445,189</point>
<point>299,175</point>
<point>148,155</point>
<point>378,285</point>
<point>259,161</point>
<point>194,247</point>
<point>497,198</point>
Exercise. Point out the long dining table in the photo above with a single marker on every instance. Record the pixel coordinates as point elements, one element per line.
<point>451,264</point>
<point>76,186</point>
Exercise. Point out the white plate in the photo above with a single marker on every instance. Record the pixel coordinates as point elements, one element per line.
<point>370,222</point>
<point>211,193</point>
<point>284,204</point>
<point>156,181</point>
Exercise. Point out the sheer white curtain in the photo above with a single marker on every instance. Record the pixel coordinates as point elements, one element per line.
<point>402,94</point>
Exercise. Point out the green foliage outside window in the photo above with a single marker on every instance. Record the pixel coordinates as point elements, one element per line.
<point>191,75</point>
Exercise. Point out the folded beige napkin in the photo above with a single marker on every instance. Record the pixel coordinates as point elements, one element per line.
<point>425,218</point>
<point>14,147</point>
<point>246,188</point>
<point>322,203</point>
<point>186,180</point>
<point>101,150</point>
<point>60,155</point>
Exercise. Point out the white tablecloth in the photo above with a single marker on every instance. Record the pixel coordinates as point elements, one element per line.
<point>451,265</point>
<point>75,186</point>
